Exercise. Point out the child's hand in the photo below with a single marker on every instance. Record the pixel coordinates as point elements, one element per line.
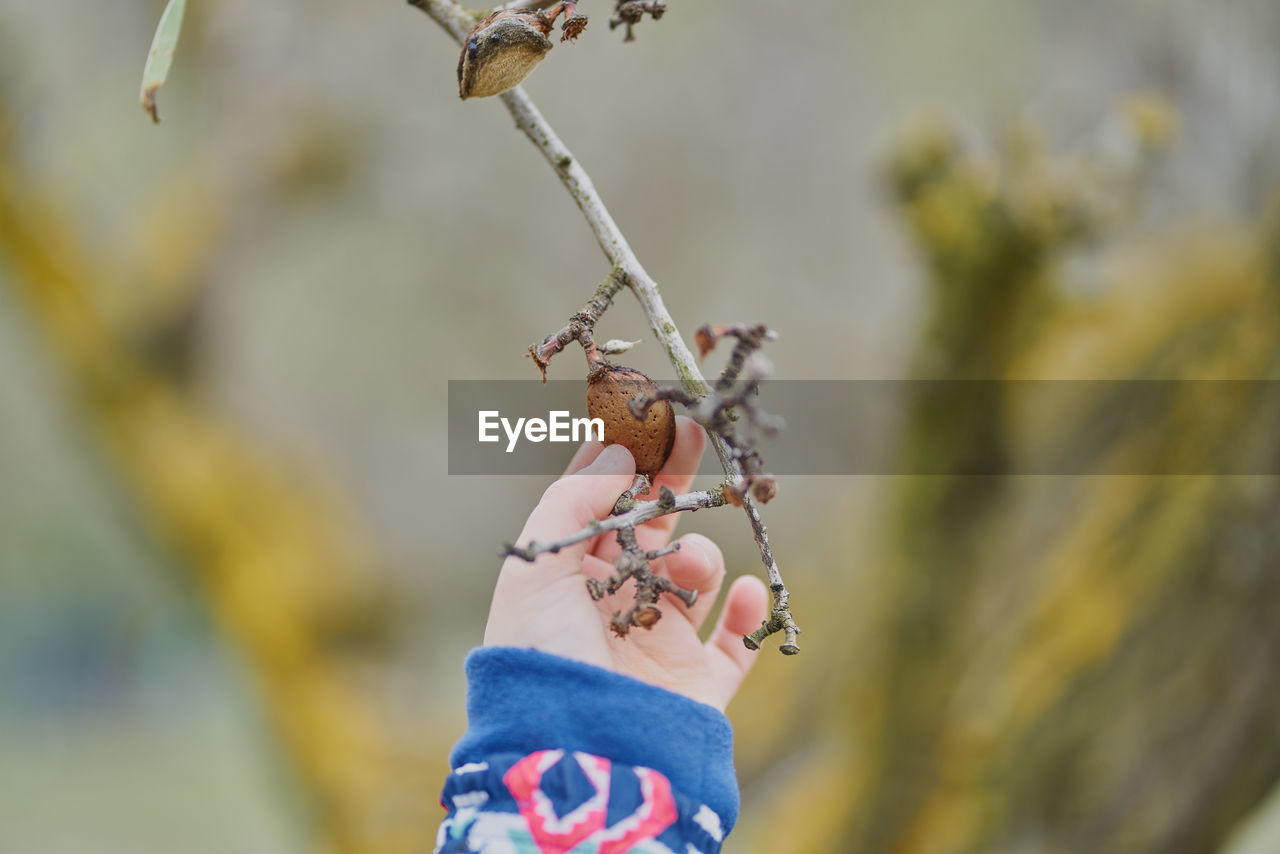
<point>545,604</point>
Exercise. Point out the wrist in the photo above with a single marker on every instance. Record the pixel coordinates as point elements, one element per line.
<point>521,701</point>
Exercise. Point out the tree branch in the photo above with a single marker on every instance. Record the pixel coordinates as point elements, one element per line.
<point>581,327</point>
<point>457,22</point>
<point>640,512</point>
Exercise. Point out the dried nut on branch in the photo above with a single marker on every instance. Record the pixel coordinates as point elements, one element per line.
<point>649,438</point>
<point>505,46</point>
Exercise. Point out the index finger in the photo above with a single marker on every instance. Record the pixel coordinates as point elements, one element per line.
<point>573,502</point>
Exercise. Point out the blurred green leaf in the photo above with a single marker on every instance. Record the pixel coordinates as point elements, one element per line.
<point>161,55</point>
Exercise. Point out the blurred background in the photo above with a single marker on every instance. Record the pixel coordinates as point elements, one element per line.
<point>237,583</point>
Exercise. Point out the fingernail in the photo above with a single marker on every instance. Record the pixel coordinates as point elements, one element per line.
<point>614,459</point>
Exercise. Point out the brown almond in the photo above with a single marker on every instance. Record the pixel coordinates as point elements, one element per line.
<point>501,51</point>
<point>609,391</point>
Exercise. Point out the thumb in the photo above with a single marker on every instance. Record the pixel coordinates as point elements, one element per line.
<point>575,501</point>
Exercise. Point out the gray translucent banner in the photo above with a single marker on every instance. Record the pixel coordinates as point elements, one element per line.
<point>1031,427</point>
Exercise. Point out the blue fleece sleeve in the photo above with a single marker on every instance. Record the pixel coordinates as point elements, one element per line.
<point>562,755</point>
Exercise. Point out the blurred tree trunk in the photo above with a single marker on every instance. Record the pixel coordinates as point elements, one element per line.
<point>277,558</point>
<point>1069,663</point>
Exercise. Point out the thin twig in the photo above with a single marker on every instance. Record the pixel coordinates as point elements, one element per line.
<point>641,512</point>
<point>634,563</point>
<point>581,326</point>
<point>457,22</point>
<point>780,618</point>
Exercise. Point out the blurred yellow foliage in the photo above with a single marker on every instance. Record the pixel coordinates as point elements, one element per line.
<point>277,554</point>
<point>1051,650</point>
